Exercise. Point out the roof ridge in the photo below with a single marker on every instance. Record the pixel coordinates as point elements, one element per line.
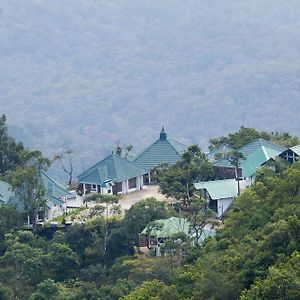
<point>144,150</point>
<point>129,161</point>
<point>56,182</point>
<point>89,170</point>
<point>175,142</point>
<point>294,147</point>
<point>261,143</point>
<point>218,180</point>
<point>265,152</point>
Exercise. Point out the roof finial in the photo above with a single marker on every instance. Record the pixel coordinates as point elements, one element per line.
<point>163,135</point>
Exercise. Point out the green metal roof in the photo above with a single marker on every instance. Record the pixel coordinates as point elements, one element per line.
<point>296,149</point>
<point>219,189</point>
<point>114,168</point>
<point>163,150</point>
<point>222,150</point>
<point>223,163</point>
<point>168,228</point>
<point>6,192</point>
<point>257,153</point>
<point>267,147</point>
<point>54,191</point>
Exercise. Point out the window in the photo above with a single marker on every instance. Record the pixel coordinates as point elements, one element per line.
<point>93,187</point>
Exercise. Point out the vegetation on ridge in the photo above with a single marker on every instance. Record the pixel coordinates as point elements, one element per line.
<point>255,255</point>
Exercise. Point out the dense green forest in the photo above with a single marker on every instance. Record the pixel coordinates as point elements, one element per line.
<point>255,254</point>
<point>76,76</point>
<point>80,74</point>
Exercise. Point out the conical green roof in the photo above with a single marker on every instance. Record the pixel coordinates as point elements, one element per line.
<point>163,150</point>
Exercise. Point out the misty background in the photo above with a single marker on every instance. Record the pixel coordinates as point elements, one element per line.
<point>80,74</point>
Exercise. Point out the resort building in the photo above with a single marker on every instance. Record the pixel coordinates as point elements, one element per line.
<point>112,175</point>
<point>56,197</point>
<point>155,237</point>
<point>219,194</point>
<point>291,154</point>
<point>163,151</point>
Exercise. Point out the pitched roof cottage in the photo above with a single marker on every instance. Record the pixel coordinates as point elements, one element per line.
<point>219,193</point>
<point>56,195</point>
<point>112,175</point>
<point>154,237</point>
<point>257,154</point>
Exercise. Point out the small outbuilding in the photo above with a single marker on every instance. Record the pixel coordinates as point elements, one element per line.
<point>257,154</point>
<point>220,193</point>
<point>154,237</point>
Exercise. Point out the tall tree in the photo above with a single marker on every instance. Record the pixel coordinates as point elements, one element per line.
<point>10,218</point>
<point>66,155</point>
<point>122,150</point>
<point>10,151</point>
<point>199,216</point>
<point>235,158</point>
<point>178,180</point>
<point>246,135</point>
<point>28,186</point>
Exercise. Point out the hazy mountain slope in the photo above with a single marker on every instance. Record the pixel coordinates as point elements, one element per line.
<point>82,73</point>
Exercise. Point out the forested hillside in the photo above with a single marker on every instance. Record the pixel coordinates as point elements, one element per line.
<point>254,256</point>
<point>79,74</point>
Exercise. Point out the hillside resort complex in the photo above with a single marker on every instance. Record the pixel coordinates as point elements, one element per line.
<point>117,175</point>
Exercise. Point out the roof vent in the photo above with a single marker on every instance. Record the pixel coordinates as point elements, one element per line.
<point>163,135</point>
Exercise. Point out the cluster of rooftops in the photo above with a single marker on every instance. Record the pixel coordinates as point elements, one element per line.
<point>115,174</point>
<point>118,175</point>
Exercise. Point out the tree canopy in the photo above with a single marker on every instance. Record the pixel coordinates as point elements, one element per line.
<point>246,135</point>
<point>177,181</point>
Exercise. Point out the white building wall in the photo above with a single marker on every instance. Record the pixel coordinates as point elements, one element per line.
<point>222,205</point>
<point>138,183</point>
<point>105,190</point>
<point>55,211</point>
<point>125,187</point>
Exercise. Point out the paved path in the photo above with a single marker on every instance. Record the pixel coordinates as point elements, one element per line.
<point>149,191</point>
<point>126,201</point>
